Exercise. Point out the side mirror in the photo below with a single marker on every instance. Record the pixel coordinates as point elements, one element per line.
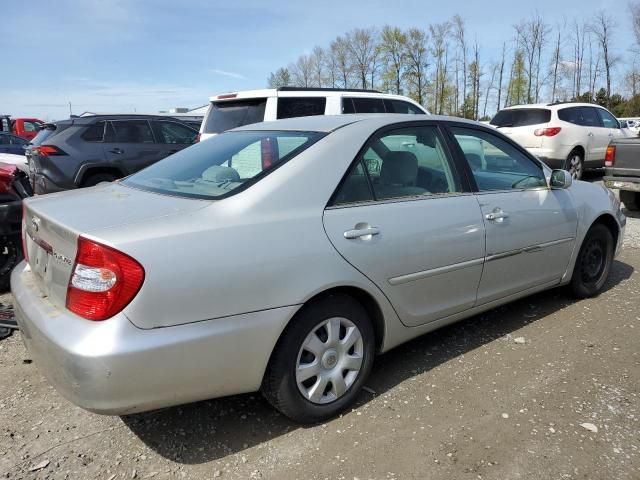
<point>560,179</point>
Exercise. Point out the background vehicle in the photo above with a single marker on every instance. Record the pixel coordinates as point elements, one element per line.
<point>622,170</point>
<point>14,187</point>
<point>26,128</point>
<point>19,161</point>
<point>633,125</point>
<point>232,110</point>
<point>573,136</point>
<point>10,143</point>
<point>282,256</point>
<point>84,151</point>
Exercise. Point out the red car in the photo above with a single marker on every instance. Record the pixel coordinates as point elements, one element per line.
<point>26,128</point>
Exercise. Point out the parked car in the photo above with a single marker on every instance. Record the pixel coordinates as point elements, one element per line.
<point>622,170</point>
<point>231,110</point>
<point>282,256</point>
<point>26,128</point>
<point>632,125</point>
<point>84,151</point>
<point>14,187</point>
<point>573,136</point>
<point>10,143</point>
<point>19,161</point>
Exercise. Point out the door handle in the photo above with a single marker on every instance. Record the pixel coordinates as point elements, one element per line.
<point>361,232</point>
<point>117,151</point>
<point>497,215</point>
<point>591,134</point>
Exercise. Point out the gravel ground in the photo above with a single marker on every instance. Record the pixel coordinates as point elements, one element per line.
<point>544,388</point>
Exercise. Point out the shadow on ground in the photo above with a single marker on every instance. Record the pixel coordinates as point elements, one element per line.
<point>206,431</point>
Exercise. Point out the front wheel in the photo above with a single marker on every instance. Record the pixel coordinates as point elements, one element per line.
<point>593,262</point>
<point>321,361</point>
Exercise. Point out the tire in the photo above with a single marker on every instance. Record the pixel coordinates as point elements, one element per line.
<point>317,397</point>
<point>97,178</point>
<point>575,164</point>
<point>631,200</point>
<point>10,256</point>
<point>593,262</point>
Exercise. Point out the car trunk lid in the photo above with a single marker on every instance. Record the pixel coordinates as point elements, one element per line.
<point>54,222</point>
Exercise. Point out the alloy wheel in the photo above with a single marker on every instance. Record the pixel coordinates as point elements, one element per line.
<point>329,360</point>
<point>575,166</point>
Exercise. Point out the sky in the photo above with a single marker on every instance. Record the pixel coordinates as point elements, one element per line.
<point>151,55</point>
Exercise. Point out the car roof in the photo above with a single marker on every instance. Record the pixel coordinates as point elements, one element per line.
<point>89,119</point>
<point>303,92</point>
<point>329,123</point>
<point>551,105</point>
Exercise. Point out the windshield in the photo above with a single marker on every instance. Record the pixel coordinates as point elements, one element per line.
<point>521,117</point>
<point>222,165</point>
<point>223,116</point>
<point>42,135</point>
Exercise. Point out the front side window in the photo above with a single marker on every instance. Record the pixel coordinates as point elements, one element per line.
<point>31,126</point>
<point>225,115</point>
<point>290,107</point>
<point>405,162</point>
<point>13,140</point>
<point>224,164</point>
<point>175,133</point>
<point>608,120</point>
<point>495,163</point>
<point>129,131</point>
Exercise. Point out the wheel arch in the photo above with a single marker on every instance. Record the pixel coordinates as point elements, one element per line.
<point>89,170</point>
<point>610,222</point>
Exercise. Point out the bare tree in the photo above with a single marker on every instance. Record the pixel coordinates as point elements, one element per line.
<point>579,34</point>
<point>501,74</point>
<point>281,78</point>
<point>393,49</point>
<point>555,64</point>
<point>362,45</point>
<point>341,57</point>
<point>460,37</point>
<point>603,27</point>
<point>531,36</point>
<point>416,58</point>
<point>318,63</point>
<point>302,71</point>
<point>439,46</point>
<point>634,7</point>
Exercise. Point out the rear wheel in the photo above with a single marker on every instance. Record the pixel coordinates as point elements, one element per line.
<point>593,262</point>
<point>321,361</point>
<point>631,200</point>
<point>97,178</point>
<point>575,164</point>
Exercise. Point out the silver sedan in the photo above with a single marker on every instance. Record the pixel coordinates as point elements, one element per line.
<point>283,256</point>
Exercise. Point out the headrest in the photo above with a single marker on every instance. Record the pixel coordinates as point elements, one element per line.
<point>399,168</point>
<point>220,174</point>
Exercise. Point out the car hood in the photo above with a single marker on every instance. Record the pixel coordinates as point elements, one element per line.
<point>109,205</point>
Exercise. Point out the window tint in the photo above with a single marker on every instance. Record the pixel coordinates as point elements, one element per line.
<point>495,163</point>
<point>13,140</point>
<point>399,106</point>
<point>521,117</point>
<point>222,165</point>
<point>571,115</point>
<point>95,133</point>
<point>129,131</point>
<point>590,117</point>
<point>347,106</point>
<point>226,115</point>
<point>31,126</point>
<point>405,162</point>
<point>289,107</point>
<point>367,105</point>
<point>608,120</point>
<point>174,133</point>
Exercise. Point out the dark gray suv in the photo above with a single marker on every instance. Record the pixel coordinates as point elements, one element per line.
<point>84,151</point>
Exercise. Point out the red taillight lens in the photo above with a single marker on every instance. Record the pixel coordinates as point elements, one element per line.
<point>25,252</point>
<point>103,282</point>
<point>197,138</point>
<point>610,156</point>
<point>47,150</point>
<point>547,132</point>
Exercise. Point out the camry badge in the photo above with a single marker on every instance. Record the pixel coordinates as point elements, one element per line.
<point>35,222</point>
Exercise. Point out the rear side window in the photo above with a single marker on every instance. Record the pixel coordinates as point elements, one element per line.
<point>399,106</point>
<point>129,131</point>
<point>289,107</point>
<point>521,117</point>
<point>224,116</point>
<point>363,105</point>
<point>571,115</point>
<point>95,133</point>
<point>590,117</point>
<point>49,131</point>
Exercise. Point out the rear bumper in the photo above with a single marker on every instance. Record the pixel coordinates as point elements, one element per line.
<point>112,367</point>
<point>630,184</point>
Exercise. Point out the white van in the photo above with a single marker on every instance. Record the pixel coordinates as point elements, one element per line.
<point>231,110</point>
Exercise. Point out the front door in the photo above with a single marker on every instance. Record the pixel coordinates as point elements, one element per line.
<point>403,219</point>
<point>131,146</point>
<point>530,228</point>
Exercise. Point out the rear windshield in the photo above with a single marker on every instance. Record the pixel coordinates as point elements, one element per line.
<point>49,130</point>
<point>226,115</point>
<point>223,165</point>
<point>521,117</point>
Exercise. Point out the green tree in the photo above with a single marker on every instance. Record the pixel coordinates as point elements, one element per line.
<point>393,49</point>
<point>281,78</point>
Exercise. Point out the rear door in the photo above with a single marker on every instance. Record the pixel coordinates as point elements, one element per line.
<point>423,249</point>
<point>599,136</point>
<point>520,124</point>
<point>131,145</point>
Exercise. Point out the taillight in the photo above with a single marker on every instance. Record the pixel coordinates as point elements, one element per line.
<point>47,150</point>
<point>547,132</point>
<point>197,138</point>
<point>610,156</point>
<point>103,282</point>
<point>24,232</point>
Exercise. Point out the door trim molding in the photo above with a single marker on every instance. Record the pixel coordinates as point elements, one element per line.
<point>529,249</point>
<point>412,277</point>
